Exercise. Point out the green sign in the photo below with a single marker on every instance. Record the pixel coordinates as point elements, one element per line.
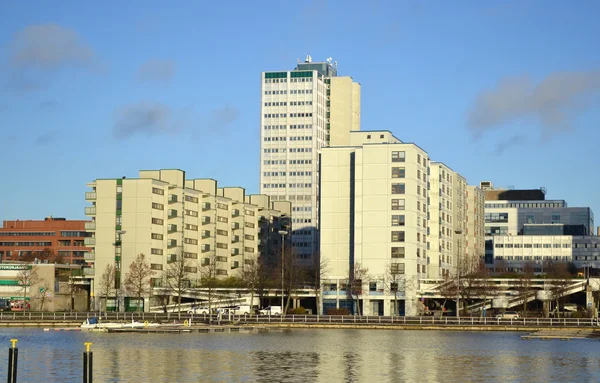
<point>15,267</point>
<point>42,289</point>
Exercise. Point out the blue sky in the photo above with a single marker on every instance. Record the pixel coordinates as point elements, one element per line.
<point>506,91</point>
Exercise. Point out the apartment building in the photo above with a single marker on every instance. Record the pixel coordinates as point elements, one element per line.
<point>165,216</point>
<point>303,111</point>
<point>52,239</point>
<point>374,214</point>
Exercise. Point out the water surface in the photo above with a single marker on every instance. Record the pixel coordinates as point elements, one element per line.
<point>320,355</point>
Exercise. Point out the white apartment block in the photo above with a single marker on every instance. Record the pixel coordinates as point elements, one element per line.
<point>475,223</point>
<point>374,213</point>
<point>303,111</point>
<point>164,215</point>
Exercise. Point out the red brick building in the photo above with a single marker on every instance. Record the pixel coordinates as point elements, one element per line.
<point>53,239</point>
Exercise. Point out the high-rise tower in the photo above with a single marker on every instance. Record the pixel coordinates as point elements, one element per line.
<point>302,111</point>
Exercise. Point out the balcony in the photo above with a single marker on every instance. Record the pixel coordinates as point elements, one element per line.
<point>90,226</point>
<point>235,225</point>
<point>172,213</point>
<point>205,206</point>
<point>89,241</point>
<point>205,234</point>
<point>172,198</point>
<point>90,210</point>
<point>89,256</point>
<point>235,264</point>
<point>235,252</point>
<point>89,271</point>
<point>235,213</point>
<point>90,196</point>
<point>235,239</point>
<point>171,228</point>
<point>206,262</point>
<point>205,220</point>
<point>172,243</point>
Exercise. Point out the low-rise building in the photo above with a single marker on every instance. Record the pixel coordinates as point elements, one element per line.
<point>53,239</point>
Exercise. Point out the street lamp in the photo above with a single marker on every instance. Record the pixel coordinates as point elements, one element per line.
<point>283,234</point>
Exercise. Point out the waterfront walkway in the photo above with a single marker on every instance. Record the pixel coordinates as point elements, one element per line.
<point>75,319</point>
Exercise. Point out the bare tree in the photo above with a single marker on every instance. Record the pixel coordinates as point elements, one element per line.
<point>319,268</point>
<point>44,294</point>
<point>358,275</point>
<point>486,288</point>
<point>560,282</point>
<point>208,280</point>
<point>523,285</point>
<point>250,275</point>
<point>396,281</point>
<point>106,284</point>
<point>448,289</point>
<point>177,276</point>
<point>27,278</point>
<point>137,279</point>
<point>470,279</point>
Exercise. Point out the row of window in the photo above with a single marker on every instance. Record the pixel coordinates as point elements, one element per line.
<point>284,150</point>
<point>525,205</point>
<point>27,234</point>
<point>283,174</point>
<point>535,257</point>
<point>301,208</point>
<point>301,114</point>
<point>274,186</point>
<point>532,245</point>
<point>293,138</point>
<point>301,220</point>
<point>46,244</point>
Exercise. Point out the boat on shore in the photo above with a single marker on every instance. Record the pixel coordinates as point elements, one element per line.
<point>93,324</point>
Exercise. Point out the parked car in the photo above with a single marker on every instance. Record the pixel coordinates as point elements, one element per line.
<point>198,310</point>
<point>271,310</point>
<point>508,315</point>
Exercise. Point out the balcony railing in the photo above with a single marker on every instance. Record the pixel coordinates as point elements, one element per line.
<point>89,271</point>
<point>89,241</point>
<point>90,210</point>
<point>89,256</point>
<point>90,226</point>
<point>90,196</point>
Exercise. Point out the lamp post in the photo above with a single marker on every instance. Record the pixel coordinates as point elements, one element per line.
<point>283,234</point>
<point>458,232</point>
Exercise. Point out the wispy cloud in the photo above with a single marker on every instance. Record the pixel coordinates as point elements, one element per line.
<point>156,72</point>
<point>48,105</point>
<point>554,102</point>
<point>145,118</point>
<point>37,51</point>
<point>504,145</point>
<point>46,137</point>
<point>154,118</point>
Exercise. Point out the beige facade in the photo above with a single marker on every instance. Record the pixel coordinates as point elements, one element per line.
<point>164,215</point>
<point>303,111</point>
<point>374,213</point>
<point>344,110</point>
<point>475,223</point>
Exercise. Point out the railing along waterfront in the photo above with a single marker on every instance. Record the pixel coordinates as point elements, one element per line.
<point>174,317</point>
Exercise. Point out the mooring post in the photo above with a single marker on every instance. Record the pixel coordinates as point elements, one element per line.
<point>88,363</point>
<point>13,356</point>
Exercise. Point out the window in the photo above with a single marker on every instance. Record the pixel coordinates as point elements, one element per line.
<point>398,204</point>
<point>397,268</point>
<point>221,245</point>
<point>158,206</point>
<point>190,255</point>
<point>158,191</point>
<point>398,252</point>
<point>249,225</point>
<point>189,226</point>
<point>249,249</point>
<point>398,156</point>
<point>190,241</point>
<point>191,213</point>
<point>397,220</point>
<point>398,172</point>
<point>249,212</point>
<point>156,251</point>
<point>398,188</point>
<point>157,221</point>
<point>157,236</point>
<point>156,266</point>
<point>397,236</point>
<point>249,237</point>
<point>222,206</point>
<point>222,232</point>
<point>189,198</point>
<point>555,218</point>
<point>222,219</point>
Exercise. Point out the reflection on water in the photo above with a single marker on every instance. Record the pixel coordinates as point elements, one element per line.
<point>302,356</point>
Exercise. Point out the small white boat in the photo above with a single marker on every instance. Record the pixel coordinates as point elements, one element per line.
<point>92,324</point>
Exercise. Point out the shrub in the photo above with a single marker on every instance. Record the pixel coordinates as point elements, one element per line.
<point>297,311</point>
<point>341,311</point>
